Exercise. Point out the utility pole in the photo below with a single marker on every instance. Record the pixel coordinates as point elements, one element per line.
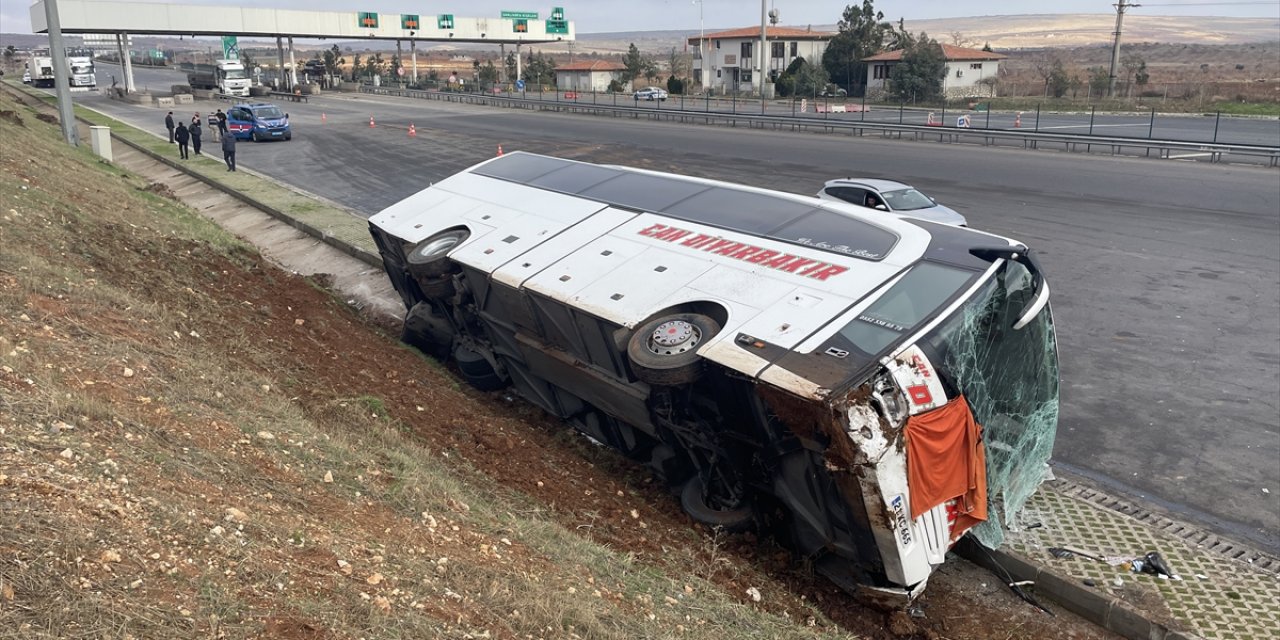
<point>764,16</point>
<point>61,77</point>
<point>1121,6</point>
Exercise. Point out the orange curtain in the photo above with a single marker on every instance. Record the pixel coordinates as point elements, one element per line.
<point>945,460</point>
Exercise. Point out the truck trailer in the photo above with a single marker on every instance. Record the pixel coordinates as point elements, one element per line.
<point>41,69</point>
<point>867,389</point>
<point>227,77</point>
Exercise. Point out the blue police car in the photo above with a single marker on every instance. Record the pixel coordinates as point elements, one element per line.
<point>258,121</point>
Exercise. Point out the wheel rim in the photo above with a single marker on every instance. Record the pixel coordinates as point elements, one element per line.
<point>674,337</point>
<point>437,247</point>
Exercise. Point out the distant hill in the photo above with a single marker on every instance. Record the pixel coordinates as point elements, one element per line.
<point>1005,32</point>
<point>1002,32</point>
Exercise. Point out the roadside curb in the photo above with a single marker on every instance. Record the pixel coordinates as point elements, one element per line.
<point>1105,611</point>
<point>341,245</point>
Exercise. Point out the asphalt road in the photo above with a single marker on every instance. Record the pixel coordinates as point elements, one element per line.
<point>1166,276</point>
<point>1172,126</point>
<point>1198,127</point>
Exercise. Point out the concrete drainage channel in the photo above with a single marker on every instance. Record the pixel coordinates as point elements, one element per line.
<point>357,275</point>
<point>1191,534</point>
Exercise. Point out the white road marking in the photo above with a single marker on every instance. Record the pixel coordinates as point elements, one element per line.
<point>1096,126</point>
<point>1189,155</point>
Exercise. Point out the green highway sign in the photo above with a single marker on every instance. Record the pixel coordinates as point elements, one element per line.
<point>520,15</point>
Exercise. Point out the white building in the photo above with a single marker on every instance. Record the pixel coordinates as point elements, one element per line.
<point>731,57</point>
<point>588,75</point>
<point>966,71</point>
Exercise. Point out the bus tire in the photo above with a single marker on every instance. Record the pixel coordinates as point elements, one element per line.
<point>436,288</point>
<point>476,370</point>
<point>732,520</point>
<point>430,258</point>
<point>663,351</point>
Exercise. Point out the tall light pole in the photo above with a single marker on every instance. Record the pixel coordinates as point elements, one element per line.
<point>61,79</point>
<point>764,16</point>
<point>702,57</point>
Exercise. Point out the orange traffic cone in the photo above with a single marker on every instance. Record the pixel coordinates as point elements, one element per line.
<point>412,132</point>
<point>499,149</point>
<point>371,124</point>
<point>323,118</point>
<point>1017,120</point>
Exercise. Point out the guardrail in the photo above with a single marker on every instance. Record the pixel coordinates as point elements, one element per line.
<point>1117,145</point>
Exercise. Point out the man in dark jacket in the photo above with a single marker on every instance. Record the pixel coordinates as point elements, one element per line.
<point>182,135</point>
<point>229,151</point>
<point>194,129</point>
<point>222,123</point>
<point>168,124</point>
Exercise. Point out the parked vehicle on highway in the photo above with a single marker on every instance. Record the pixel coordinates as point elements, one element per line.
<point>258,121</point>
<point>26,76</point>
<point>83,74</point>
<point>888,195</point>
<point>227,77</point>
<point>650,93</point>
<point>790,364</point>
<point>41,68</point>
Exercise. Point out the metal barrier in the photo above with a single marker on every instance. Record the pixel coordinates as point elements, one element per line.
<point>1117,145</point>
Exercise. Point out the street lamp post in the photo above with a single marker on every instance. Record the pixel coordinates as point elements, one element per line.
<point>702,58</point>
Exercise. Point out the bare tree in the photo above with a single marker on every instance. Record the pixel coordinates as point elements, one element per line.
<point>959,39</point>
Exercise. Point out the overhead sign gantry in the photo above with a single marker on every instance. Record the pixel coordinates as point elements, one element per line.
<point>108,16</point>
<point>124,18</point>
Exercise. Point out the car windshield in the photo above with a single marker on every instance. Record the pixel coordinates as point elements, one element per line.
<point>236,74</point>
<point>268,113</point>
<point>912,299</point>
<point>907,200</point>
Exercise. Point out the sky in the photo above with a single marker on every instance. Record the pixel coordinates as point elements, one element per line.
<point>595,16</point>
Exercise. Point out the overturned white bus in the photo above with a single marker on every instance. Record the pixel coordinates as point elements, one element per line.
<point>868,389</point>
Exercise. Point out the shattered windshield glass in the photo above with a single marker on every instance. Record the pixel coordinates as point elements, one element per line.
<point>1010,379</point>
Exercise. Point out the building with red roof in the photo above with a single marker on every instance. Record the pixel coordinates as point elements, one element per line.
<point>732,61</point>
<point>588,75</point>
<point>970,72</point>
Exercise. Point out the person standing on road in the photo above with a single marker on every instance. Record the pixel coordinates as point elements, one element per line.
<point>168,124</point>
<point>222,123</point>
<point>229,151</point>
<point>195,136</point>
<point>182,135</point>
<point>212,120</point>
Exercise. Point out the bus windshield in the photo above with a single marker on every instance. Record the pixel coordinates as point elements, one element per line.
<point>910,300</point>
<point>1010,379</point>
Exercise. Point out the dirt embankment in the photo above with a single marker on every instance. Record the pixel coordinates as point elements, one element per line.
<point>195,444</point>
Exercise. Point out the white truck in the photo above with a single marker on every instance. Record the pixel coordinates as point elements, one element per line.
<point>82,74</point>
<point>41,69</point>
<point>224,76</point>
<point>867,387</point>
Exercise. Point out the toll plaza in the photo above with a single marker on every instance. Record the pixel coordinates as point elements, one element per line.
<point>123,18</point>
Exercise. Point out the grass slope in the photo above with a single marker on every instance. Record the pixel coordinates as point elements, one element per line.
<point>194,444</point>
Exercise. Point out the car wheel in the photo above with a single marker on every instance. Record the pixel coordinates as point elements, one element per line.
<point>664,351</point>
<point>254,136</point>
<point>288,136</point>
<point>429,259</point>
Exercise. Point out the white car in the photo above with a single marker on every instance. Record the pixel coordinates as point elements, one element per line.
<point>650,93</point>
<point>26,77</point>
<point>888,195</point>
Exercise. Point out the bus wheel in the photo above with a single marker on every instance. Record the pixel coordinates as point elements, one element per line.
<point>429,259</point>
<point>664,351</point>
<point>694,502</point>
<point>476,370</point>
